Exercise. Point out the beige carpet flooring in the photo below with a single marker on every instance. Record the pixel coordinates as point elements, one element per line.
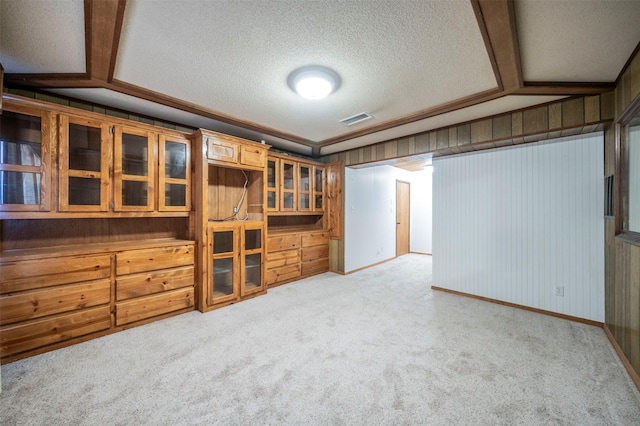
<point>376,347</point>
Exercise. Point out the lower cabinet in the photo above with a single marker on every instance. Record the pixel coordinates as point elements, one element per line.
<point>235,262</point>
<point>295,254</point>
<point>51,298</point>
<point>153,281</point>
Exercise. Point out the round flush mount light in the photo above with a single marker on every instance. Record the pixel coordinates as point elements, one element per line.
<point>314,82</point>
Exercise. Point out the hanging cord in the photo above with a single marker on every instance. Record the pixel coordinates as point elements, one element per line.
<point>234,216</point>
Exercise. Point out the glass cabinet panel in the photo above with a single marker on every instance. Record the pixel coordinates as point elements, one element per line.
<point>134,170</point>
<point>135,155</point>
<point>272,184</point>
<point>24,160</point>
<point>222,277</point>
<point>252,281</point>
<point>287,175</point>
<point>224,272</point>
<point>19,188</point>
<point>304,188</point>
<point>318,189</point>
<point>288,189</point>
<point>85,155</point>
<point>175,174</point>
<point>175,156</point>
<point>252,272</point>
<point>252,239</point>
<point>223,242</point>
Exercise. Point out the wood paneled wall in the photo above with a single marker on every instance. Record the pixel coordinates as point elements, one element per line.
<point>622,257</point>
<point>566,117</point>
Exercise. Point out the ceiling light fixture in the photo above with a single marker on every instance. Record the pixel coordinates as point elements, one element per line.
<point>314,82</point>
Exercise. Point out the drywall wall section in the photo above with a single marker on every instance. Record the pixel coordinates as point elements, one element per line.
<point>370,214</point>
<point>421,211</point>
<point>524,225</point>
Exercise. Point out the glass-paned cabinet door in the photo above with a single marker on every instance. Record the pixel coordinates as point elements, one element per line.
<point>85,158</point>
<point>288,188</point>
<point>304,187</point>
<point>318,188</point>
<point>252,277</point>
<point>174,174</point>
<point>224,272</point>
<point>134,169</point>
<point>272,184</point>
<point>25,159</point>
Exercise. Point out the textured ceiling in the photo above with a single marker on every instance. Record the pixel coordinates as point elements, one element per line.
<point>42,36</point>
<point>223,64</point>
<point>387,54</point>
<point>576,41</point>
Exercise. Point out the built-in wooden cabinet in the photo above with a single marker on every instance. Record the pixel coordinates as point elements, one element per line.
<point>50,297</point>
<point>294,253</point>
<point>295,186</point>
<point>107,223</point>
<point>154,281</point>
<point>26,155</point>
<point>231,188</point>
<point>235,260</point>
<point>56,160</point>
<point>139,157</point>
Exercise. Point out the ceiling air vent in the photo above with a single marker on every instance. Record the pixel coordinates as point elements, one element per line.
<point>350,121</point>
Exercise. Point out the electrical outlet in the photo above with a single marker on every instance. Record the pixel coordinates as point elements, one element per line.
<point>559,290</point>
<point>235,210</point>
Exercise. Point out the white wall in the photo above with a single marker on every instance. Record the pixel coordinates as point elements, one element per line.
<point>370,214</point>
<point>421,211</point>
<point>514,224</point>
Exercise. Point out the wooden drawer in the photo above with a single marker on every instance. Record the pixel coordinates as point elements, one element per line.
<point>315,266</point>
<point>146,307</point>
<point>23,275</point>
<point>222,150</point>
<point>253,156</point>
<point>282,242</point>
<point>284,273</point>
<point>145,284</point>
<point>278,259</point>
<point>53,300</point>
<point>315,238</point>
<point>315,253</point>
<point>19,338</point>
<point>134,261</point>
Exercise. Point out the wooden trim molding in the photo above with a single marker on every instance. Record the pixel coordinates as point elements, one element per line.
<point>565,117</point>
<point>623,358</point>
<point>103,20</point>
<point>523,307</point>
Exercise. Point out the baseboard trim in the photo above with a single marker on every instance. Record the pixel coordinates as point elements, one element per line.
<point>369,266</point>
<point>419,252</point>
<point>623,358</point>
<point>526,308</point>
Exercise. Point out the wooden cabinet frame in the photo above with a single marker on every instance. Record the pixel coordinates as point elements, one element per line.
<point>47,153</point>
<point>119,177</point>
<point>66,173</point>
<point>164,180</point>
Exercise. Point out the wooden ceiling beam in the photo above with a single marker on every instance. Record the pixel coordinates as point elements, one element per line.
<point>103,26</point>
<point>497,22</point>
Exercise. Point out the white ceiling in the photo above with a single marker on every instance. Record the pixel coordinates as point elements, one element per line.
<point>396,59</point>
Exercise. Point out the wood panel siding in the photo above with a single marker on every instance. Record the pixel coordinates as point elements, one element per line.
<point>622,256</point>
<point>578,115</point>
